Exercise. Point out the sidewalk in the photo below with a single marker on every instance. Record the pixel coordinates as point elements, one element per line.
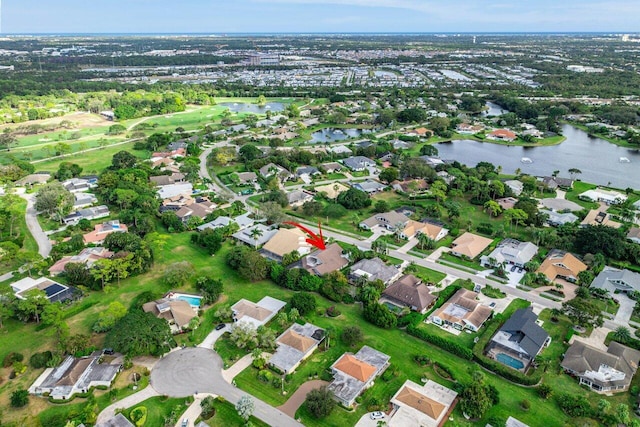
<point>194,410</point>
<point>239,366</point>
<point>129,401</point>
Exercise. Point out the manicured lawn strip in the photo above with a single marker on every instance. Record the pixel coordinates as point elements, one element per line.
<point>228,351</point>
<point>459,261</point>
<point>160,407</point>
<point>227,416</point>
<point>28,243</point>
<point>426,274</point>
<point>93,161</point>
<point>580,187</point>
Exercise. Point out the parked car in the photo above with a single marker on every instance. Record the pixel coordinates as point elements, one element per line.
<point>513,268</point>
<point>185,422</point>
<point>377,415</point>
<point>493,304</point>
<point>520,270</point>
<point>108,351</point>
<point>220,326</point>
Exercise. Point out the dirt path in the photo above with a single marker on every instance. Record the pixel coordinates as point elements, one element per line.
<point>299,396</point>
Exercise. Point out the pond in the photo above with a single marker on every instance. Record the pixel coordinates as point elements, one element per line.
<point>598,159</point>
<point>494,110</point>
<point>245,107</point>
<point>331,135</point>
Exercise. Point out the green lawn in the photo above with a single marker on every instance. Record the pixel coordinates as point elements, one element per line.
<point>159,408</point>
<point>426,274</point>
<point>227,416</point>
<point>20,230</point>
<point>463,262</point>
<point>580,187</point>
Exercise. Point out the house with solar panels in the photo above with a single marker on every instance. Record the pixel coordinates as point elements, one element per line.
<point>55,292</point>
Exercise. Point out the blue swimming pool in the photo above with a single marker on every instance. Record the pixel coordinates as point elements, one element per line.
<point>194,301</point>
<point>509,361</point>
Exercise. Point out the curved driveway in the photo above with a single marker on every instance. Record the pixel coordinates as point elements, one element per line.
<point>30,216</point>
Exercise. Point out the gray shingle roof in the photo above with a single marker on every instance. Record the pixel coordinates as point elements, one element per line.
<point>525,331</point>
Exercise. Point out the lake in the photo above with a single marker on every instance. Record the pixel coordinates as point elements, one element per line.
<point>494,110</point>
<point>243,107</point>
<point>598,159</point>
<point>331,135</point>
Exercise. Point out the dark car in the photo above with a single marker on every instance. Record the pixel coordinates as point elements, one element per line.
<point>513,268</point>
<point>220,326</point>
<point>108,351</point>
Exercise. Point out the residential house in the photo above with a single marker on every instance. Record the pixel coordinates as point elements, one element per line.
<point>255,236</point>
<point>237,128</point>
<point>325,261</point>
<point>89,214</point>
<point>602,371</point>
<point>178,313</point>
<point>246,178</point>
<point>34,178</point>
<point>272,169</point>
<point>634,235</point>
<point>386,157</point>
<point>433,230</point>
<point>556,219</point>
<point>331,167</point>
<point>87,256</point>
<point>200,208</point>
<point>54,291</point>
<point>101,231</point>
<point>175,203</point>
<point>511,251</point>
<point>243,222</point>
<point>354,373</point>
<point>614,280</point>
<point>307,170</point>
<point>507,202</point>
<point>609,197</point>
<point>173,190</point>
<point>117,420</point>
<point>364,144</point>
<point>77,185</point>
<point>373,269</point>
<point>513,422</point>
<point>74,376</point>
<point>412,187</point>
<point>462,311</point>
<point>561,265</point>
<point>173,154</point>
<point>597,217</point>
<point>468,129</point>
<point>553,182</point>
<point>256,314</point>
<point>285,241</point>
<point>502,135</point>
<point>409,291</point>
<point>446,177</point>
<point>515,186</point>
<point>469,245</point>
<point>426,405</point>
<point>295,345</point>
<point>391,220</point>
<point>421,132</point>
<point>369,186</point>
<point>332,190</point>
<point>176,145</point>
<point>401,145</point>
<point>340,149</point>
<point>84,199</point>
<point>518,341</point>
<point>358,163</point>
<point>161,180</point>
<point>298,198</point>
<point>432,161</point>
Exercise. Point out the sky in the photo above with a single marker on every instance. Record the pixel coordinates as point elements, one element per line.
<point>312,16</point>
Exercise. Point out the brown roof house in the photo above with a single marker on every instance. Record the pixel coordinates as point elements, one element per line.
<point>469,245</point>
<point>425,405</point>
<point>354,373</point>
<point>256,314</point>
<point>285,241</point>
<point>175,311</point>
<point>432,230</point>
<point>502,134</point>
<point>373,269</point>
<point>325,261</point>
<point>74,375</point>
<point>295,345</point>
<point>462,311</point>
<point>409,291</point>
<point>563,265</point>
<point>634,235</point>
<point>602,371</point>
<point>87,256</point>
<point>101,231</point>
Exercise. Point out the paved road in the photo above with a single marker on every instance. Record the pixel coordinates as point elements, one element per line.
<point>44,245</point>
<point>181,373</point>
<point>129,401</point>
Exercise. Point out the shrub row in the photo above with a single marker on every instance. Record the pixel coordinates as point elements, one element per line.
<point>445,344</point>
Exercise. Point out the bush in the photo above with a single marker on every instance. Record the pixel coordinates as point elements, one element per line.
<point>525,404</point>
<point>138,415</point>
<point>40,360</point>
<point>421,360</point>
<point>320,402</point>
<point>412,318</point>
<point>574,406</point>
<point>333,311</point>
<point>19,398</point>
<point>545,390</point>
<point>445,344</point>
<point>304,302</point>
<point>11,358</point>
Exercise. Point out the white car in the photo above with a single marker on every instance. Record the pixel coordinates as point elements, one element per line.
<point>377,415</point>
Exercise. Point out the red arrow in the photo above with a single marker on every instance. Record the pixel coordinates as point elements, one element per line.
<point>314,239</point>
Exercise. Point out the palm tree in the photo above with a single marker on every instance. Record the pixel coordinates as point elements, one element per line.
<point>573,172</point>
<point>255,234</point>
<point>622,334</point>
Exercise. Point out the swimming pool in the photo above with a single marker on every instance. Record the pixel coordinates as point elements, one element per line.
<point>193,300</point>
<point>509,361</point>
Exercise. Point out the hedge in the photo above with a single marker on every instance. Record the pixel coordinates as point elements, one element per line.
<point>445,344</point>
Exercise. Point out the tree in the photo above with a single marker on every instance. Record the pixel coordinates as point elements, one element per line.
<point>33,304</point>
<point>515,216</point>
<point>381,206</point>
<point>123,160</point>
<point>389,175</point>
<point>109,317</point>
<point>248,262</point>
<point>272,212</point>
<point>583,312</point>
<point>320,402</point>
<point>585,278</point>
<point>209,239</point>
<point>102,271</point>
<point>475,399</point>
<point>622,334</point>
<point>210,288</point>
<point>428,150</point>
<point>19,398</point>
<point>312,208</point>
<point>426,242</point>
<point>249,152</point>
<point>304,302</point>
<point>493,208</point>
<point>439,191</point>
<point>354,199</point>
<point>177,273</point>
<point>255,234</point>
<point>380,315</point>
<point>412,115</point>
<point>574,172</point>
<point>351,335</point>
<point>7,139</point>
<point>245,407</point>
<point>139,333</point>
<point>54,200</point>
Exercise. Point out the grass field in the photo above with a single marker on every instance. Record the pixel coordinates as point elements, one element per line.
<point>94,161</point>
